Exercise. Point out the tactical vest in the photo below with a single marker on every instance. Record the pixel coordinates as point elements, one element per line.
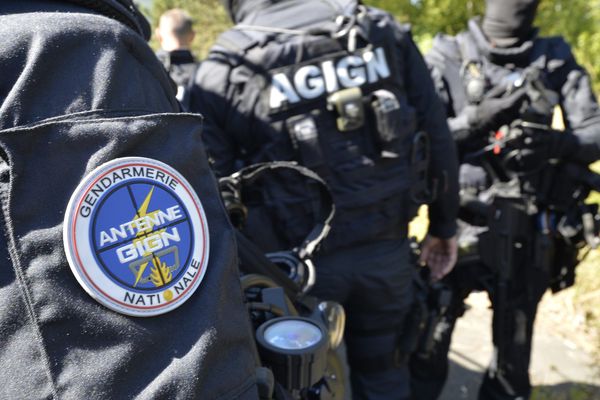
<point>336,103</point>
<point>479,75</point>
<point>469,74</point>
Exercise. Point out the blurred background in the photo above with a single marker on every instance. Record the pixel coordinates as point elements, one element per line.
<point>577,20</point>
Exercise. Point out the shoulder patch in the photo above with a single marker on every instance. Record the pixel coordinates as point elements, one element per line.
<point>136,237</point>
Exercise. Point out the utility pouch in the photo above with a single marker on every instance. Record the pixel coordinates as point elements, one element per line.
<point>394,122</point>
<point>508,223</point>
<point>348,104</point>
<point>475,82</point>
<point>420,190</point>
<point>305,139</point>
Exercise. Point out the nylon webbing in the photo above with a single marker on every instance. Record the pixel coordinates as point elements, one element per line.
<point>249,174</point>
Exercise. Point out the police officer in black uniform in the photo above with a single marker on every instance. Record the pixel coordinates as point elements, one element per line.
<point>82,89</point>
<point>342,89</point>
<point>495,73</point>
<point>175,33</point>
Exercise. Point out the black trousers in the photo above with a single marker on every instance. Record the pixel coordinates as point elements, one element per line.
<point>507,377</point>
<point>374,284</point>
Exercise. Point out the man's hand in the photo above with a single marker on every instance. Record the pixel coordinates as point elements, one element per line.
<point>439,255</point>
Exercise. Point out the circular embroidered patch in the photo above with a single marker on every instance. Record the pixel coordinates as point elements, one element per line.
<point>136,237</point>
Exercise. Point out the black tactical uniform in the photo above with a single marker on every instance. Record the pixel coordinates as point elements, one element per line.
<point>80,89</point>
<point>476,74</point>
<point>182,67</point>
<point>342,89</point>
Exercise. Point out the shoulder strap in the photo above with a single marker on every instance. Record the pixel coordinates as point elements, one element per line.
<point>237,41</point>
<point>243,37</point>
<point>472,71</point>
<point>468,48</point>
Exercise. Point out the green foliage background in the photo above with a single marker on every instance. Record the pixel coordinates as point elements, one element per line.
<point>577,20</point>
<point>210,19</point>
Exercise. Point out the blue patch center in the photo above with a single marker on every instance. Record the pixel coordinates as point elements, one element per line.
<point>141,235</point>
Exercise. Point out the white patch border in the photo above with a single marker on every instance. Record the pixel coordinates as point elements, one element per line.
<point>86,268</point>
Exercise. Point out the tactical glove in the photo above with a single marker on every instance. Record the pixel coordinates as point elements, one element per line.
<point>551,144</point>
<point>531,148</point>
<point>496,109</point>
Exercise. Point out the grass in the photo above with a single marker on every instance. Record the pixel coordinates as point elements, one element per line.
<point>587,286</point>
<point>566,392</point>
<point>587,297</point>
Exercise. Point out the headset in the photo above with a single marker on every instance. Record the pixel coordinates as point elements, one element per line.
<point>295,263</point>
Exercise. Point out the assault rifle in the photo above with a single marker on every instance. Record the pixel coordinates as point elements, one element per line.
<point>556,240</point>
<point>528,186</point>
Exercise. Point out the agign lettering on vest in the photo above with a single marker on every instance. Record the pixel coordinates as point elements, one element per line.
<point>315,80</point>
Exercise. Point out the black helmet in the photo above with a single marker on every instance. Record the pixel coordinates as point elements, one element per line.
<point>123,11</point>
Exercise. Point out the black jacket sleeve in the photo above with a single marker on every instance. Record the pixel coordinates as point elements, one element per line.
<point>212,97</point>
<point>445,65</point>
<point>580,108</point>
<point>432,119</point>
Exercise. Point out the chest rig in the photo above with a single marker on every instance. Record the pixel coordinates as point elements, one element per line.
<point>540,112</point>
<point>481,75</point>
<point>335,102</point>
